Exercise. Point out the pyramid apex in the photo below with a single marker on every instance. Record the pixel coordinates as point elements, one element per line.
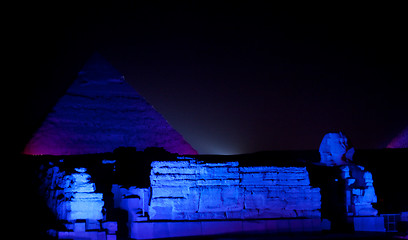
<point>98,64</point>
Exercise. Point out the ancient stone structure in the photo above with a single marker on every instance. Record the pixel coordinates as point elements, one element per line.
<point>98,186</point>
<point>76,197</point>
<point>187,196</point>
<point>72,198</point>
<point>335,150</point>
<point>194,190</point>
<point>208,197</point>
<point>101,112</point>
<point>354,182</point>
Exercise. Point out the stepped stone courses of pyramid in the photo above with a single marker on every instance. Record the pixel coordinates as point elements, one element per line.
<point>101,112</point>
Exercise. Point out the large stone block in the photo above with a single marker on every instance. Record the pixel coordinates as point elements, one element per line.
<point>174,170</point>
<point>172,177</point>
<point>87,196</point>
<point>158,212</point>
<point>175,183</point>
<point>170,191</point>
<point>371,224</point>
<point>255,199</point>
<point>167,164</point>
<point>232,198</point>
<point>74,215</point>
<point>217,182</point>
<point>210,199</point>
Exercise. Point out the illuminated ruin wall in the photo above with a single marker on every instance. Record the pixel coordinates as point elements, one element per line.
<point>194,190</point>
<point>185,196</point>
<point>188,190</point>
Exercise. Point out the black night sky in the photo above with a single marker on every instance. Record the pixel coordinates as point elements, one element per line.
<point>231,78</point>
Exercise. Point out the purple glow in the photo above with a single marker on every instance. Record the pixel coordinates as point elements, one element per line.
<point>401,141</point>
<point>101,112</point>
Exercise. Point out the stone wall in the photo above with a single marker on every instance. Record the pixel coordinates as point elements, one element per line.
<point>72,196</point>
<point>195,190</point>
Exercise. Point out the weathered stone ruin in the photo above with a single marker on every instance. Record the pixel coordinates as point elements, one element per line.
<point>354,184</point>
<point>195,190</point>
<point>188,196</point>
<point>107,165</point>
<point>201,197</point>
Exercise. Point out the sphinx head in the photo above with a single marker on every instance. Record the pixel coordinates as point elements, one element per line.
<point>335,150</point>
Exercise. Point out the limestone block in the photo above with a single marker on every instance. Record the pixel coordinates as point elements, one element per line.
<point>373,224</point>
<point>174,170</point>
<point>180,182</point>
<point>158,213</point>
<point>111,227</point>
<point>82,235</point>
<point>172,177</point>
<point>174,164</point>
<point>92,225</point>
<point>275,203</point>
<point>186,205</point>
<point>217,182</point>
<point>216,173</point>
<point>170,191</point>
<point>368,178</point>
<point>191,216</point>
<point>276,192</point>
<point>212,215</point>
<point>301,194</point>
<point>255,199</point>
<point>233,170</point>
<point>221,164</point>
<point>250,213</point>
<point>134,207</point>
<point>81,177</point>
<point>89,187</point>
<point>111,237</point>
<point>234,214</point>
<point>232,198</point>
<point>74,215</point>
<point>365,209</point>
<point>271,213</point>
<point>271,175</point>
<point>79,227</point>
<point>210,199</point>
<point>87,196</point>
<point>77,182</point>
<point>308,213</point>
<point>89,206</point>
<point>258,169</point>
<point>302,204</point>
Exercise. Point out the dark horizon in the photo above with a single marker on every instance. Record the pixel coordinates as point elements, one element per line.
<point>232,79</point>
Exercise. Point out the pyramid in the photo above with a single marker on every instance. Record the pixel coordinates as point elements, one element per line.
<point>100,112</point>
<point>401,140</point>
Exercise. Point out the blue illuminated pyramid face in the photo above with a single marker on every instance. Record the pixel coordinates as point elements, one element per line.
<point>101,112</point>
